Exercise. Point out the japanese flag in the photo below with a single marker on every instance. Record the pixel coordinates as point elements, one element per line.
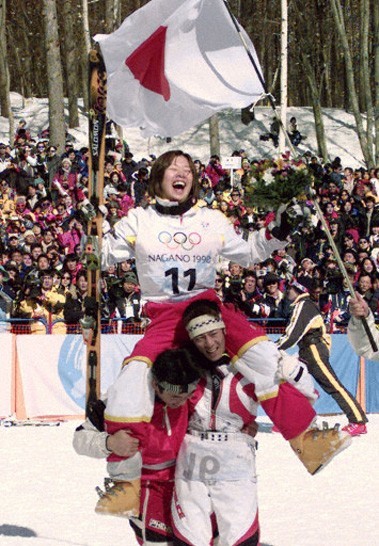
<point>173,63</point>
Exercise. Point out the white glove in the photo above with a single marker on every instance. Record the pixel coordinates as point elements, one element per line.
<point>106,228</point>
<point>256,309</point>
<point>290,368</point>
<point>295,372</point>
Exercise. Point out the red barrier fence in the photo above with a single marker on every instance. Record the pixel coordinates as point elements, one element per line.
<point>113,326</point>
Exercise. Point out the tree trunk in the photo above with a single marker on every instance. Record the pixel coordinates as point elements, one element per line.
<point>5,100</point>
<point>54,76</point>
<point>214,135</point>
<point>70,51</point>
<point>112,9</point>
<point>85,49</point>
<point>340,26</point>
<point>5,107</point>
<point>305,50</point>
<point>365,9</point>
<point>283,76</point>
<point>376,77</point>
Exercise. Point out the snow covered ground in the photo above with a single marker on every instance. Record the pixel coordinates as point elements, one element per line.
<point>342,140</point>
<point>48,496</point>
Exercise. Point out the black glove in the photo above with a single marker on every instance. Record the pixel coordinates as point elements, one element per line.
<point>287,217</point>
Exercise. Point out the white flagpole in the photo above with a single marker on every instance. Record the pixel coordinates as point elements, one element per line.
<point>283,75</point>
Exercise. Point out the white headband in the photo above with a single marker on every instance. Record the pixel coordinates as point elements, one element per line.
<point>178,389</point>
<point>202,324</point>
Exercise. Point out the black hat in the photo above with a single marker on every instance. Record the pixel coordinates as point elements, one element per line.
<point>71,257</point>
<point>299,285</point>
<point>130,277</point>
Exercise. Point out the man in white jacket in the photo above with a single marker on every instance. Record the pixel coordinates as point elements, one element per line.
<point>356,332</point>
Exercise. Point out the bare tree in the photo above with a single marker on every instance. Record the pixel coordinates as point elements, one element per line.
<point>376,76</point>
<point>5,101</point>
<point>112,11</point>
<point>366,78</point>
<point>54,75</point>
<point>71,58</point>
<point>283,74</point>
<point>306,50</point>
<point>350,80</point>
<point>84,53</point>
<point>214,135</point>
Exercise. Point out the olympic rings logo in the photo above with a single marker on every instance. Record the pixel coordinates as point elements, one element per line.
<point>179,239</point>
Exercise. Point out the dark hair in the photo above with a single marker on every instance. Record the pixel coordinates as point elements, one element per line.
<point>43,255</point>
<point>175,366</point>
<point>35,245</point>
<point>200,307</point>
<point>159,168</point>
<point>81,273</point>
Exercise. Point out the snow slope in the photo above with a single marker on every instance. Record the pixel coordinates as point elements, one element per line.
<point>339,127</point>
<point>48,493</point>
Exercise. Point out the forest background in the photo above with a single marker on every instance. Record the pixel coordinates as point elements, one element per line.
<point>333,56</point>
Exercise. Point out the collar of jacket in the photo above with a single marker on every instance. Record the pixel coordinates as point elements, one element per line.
<point>174,210</point>
<point>299,298</point>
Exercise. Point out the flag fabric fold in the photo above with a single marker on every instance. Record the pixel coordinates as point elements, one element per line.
<point>174,63</point>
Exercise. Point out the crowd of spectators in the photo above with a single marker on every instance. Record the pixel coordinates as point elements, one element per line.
<point>43,205</point>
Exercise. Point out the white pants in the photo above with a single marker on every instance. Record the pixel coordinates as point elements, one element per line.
<point>215,476</point>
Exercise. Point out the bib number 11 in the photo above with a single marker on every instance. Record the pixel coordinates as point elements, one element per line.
<point>174,274</point>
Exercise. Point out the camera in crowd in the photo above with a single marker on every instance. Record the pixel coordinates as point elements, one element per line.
<point>333,281</point>
<point>232,290</point>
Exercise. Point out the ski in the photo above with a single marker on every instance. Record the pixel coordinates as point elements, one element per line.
<point>13,422</point>
<point>91,322</point>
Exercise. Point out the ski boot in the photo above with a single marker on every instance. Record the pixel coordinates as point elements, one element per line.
<point>317,447</point>
<point>119,498</point>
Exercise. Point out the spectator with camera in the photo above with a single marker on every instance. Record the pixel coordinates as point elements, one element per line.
<point>219,286</point>
<point>334,304</point>
<point>71,234</point>
<point>206,192</point>
<point>125,300</point>
<point>74,306</point>
<point>251,297</point>
<point>274,298</point>
<point>285,264</point>
<point>52,252</point>
<point>214,171</point>
<point>40,301</point>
